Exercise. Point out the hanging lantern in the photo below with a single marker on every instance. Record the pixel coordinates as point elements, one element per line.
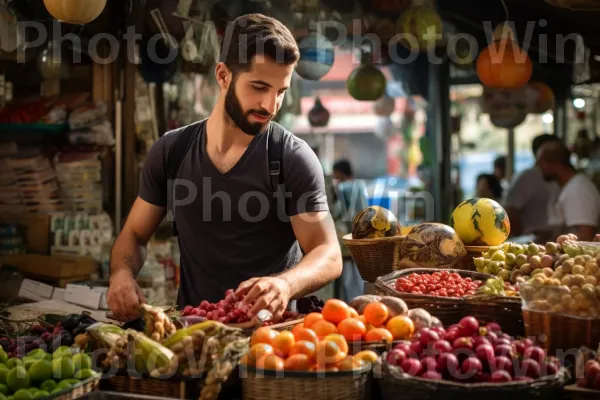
<point>384,107</point>
<point>423,26</point>
<point>50,63</point>
<point>508,118</point>
<point>316,56</point>
<point>503,64</point>
<point>75,12</point>
<point>545,99</point>
<point>318,116</point>
<point>366,82</point>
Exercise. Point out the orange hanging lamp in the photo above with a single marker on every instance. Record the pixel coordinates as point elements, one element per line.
<point>75,12</point>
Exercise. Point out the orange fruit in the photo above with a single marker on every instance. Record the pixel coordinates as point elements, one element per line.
<point>367,356</point>
<point>379,335</point>
<point>339,340</point>
<point>349,363</point>
<point>283,342</point>
<point>297,362</point>
<point>270,361</point>
<point>401,327</point>
<point>352,329</point>
<point>263,334</point>
<point>258,351</point>
<point>362,319</point>
<point>297,327</point>
<point>335,311</point>
<point>323,368</point>
<point>306,334</point>
<point>324,328</point>
<point>311,318</point>
<point>375,313</point>
<point>370,327</point>
<point>353,313</point>
<point>328,352</point>
<point>304,347</point>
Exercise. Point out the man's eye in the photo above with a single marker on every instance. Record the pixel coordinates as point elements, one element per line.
<point>259,88</point>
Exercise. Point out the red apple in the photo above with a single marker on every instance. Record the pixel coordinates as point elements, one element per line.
<point>485,353</point>
<point>440,330</point>
<point>469,325</point>
<point>396,357</point>
<point>415,350</point>
<point>502,363</point>
<point>463,343</point>
<point>519,347</point>
<point>428,336</point>
<point>429,363</point>
<point>404,346</point>
<point>479,340</point>
<point>535,353</point>
<point>431,375</point>
<point>470,366</point>
<point>448,363</point>
<point>452,334</point>
<point>454,326</point>
<point>412,366</point>
<point>501,376</point>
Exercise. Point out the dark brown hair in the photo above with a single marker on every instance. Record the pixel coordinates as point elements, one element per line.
<point>257,34</point>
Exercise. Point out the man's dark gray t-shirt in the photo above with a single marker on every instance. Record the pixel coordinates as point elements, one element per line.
<point>230,231</point>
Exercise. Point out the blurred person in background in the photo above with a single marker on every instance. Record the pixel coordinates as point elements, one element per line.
<point>488,186</point>
<point>500,173</point>
<point>529,196</point>
<point>577,207</point>
<point>351,198</point>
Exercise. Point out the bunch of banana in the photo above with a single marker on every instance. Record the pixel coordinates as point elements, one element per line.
<point>158,324</point>
<point>111,337</point>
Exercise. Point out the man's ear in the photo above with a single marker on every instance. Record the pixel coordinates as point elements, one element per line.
<point>223,75</point>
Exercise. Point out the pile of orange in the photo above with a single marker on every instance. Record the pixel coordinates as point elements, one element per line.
<point>304,349</point>
<point>374,325</point>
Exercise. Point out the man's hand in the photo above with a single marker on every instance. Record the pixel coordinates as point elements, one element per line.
<point>270,293</point>
<point>124,296</point>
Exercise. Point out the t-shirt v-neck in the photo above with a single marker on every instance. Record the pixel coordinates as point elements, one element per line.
<point>209,166</point>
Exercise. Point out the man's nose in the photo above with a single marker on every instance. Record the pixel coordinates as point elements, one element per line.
<point>269,103</point>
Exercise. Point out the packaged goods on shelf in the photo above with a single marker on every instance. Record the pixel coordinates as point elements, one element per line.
<point>79,175</point>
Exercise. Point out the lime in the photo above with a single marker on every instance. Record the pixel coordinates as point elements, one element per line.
<point>10,398</point>
<point>3,356</point>
<point>36,354</point>
<point>48,385</point>
<point>2,366</point>
<point>57,390</point>
<point>3,374</point>
<point>63,351</point>
<point>85,374</point>
<point>71,381</point>
<point>4,389</point>
<point>64,384</point>
<point>13,362</point>
<point>40,370</point>
<point>41,394</point>
<point>33,390</point>
<point>23,394</point>
<point>62,368</point>
<point>2,397</point>
<point>17,378</point>
<point>81,361</point>
<point>28,362</point>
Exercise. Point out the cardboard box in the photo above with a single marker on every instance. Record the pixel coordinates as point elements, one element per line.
<point>35,291</point>
<point>83,296</point>
<point>59,294</point>
<point>37,230</point>
<point>51,267</point>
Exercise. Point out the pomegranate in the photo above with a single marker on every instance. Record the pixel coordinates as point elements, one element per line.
<point>428,336</point>
<point>412,366</point>
<point>530,368</point>
<point>535,353</point>
<point>469,326</point>
<point>501,376</point>
<point>429,363</point>
<point>485,353</point>
<point>430,374</point>
<point>396,357</point>
<point>442,346</point>
<point>452,334</point>
<point>519,347</point>
<point>415,350</point>
<point>479,340</point>
<point>504,350</point>
<point>463,343</point>
<point>471,366</point>
<point>501,363</point>
<point>447,363</point>
<point>404,346</point>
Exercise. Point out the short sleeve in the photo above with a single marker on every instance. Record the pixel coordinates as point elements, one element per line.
<point>153,179</point>
<point>520,191</point>
<point>304,180</point>
<point>582,206</point>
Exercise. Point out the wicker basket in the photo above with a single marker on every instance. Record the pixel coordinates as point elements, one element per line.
<point>574,392</point>
<point>560,332</point>
<point>504,310</point>
<point>466,262</point>
<point>173,388</point>
<point>579,5</point>
<point>79,390</point>
<point>398,386</point>
<point>374,257</point>
<point>268,384</point>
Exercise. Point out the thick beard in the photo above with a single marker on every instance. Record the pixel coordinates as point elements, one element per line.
<point>233,108</point>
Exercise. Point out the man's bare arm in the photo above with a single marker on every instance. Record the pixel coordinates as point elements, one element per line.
<point>585,233</point>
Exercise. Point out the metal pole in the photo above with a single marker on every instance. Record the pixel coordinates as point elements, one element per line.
<point>560,114</point>
<point>510,159</point>
<point>438,127</point>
